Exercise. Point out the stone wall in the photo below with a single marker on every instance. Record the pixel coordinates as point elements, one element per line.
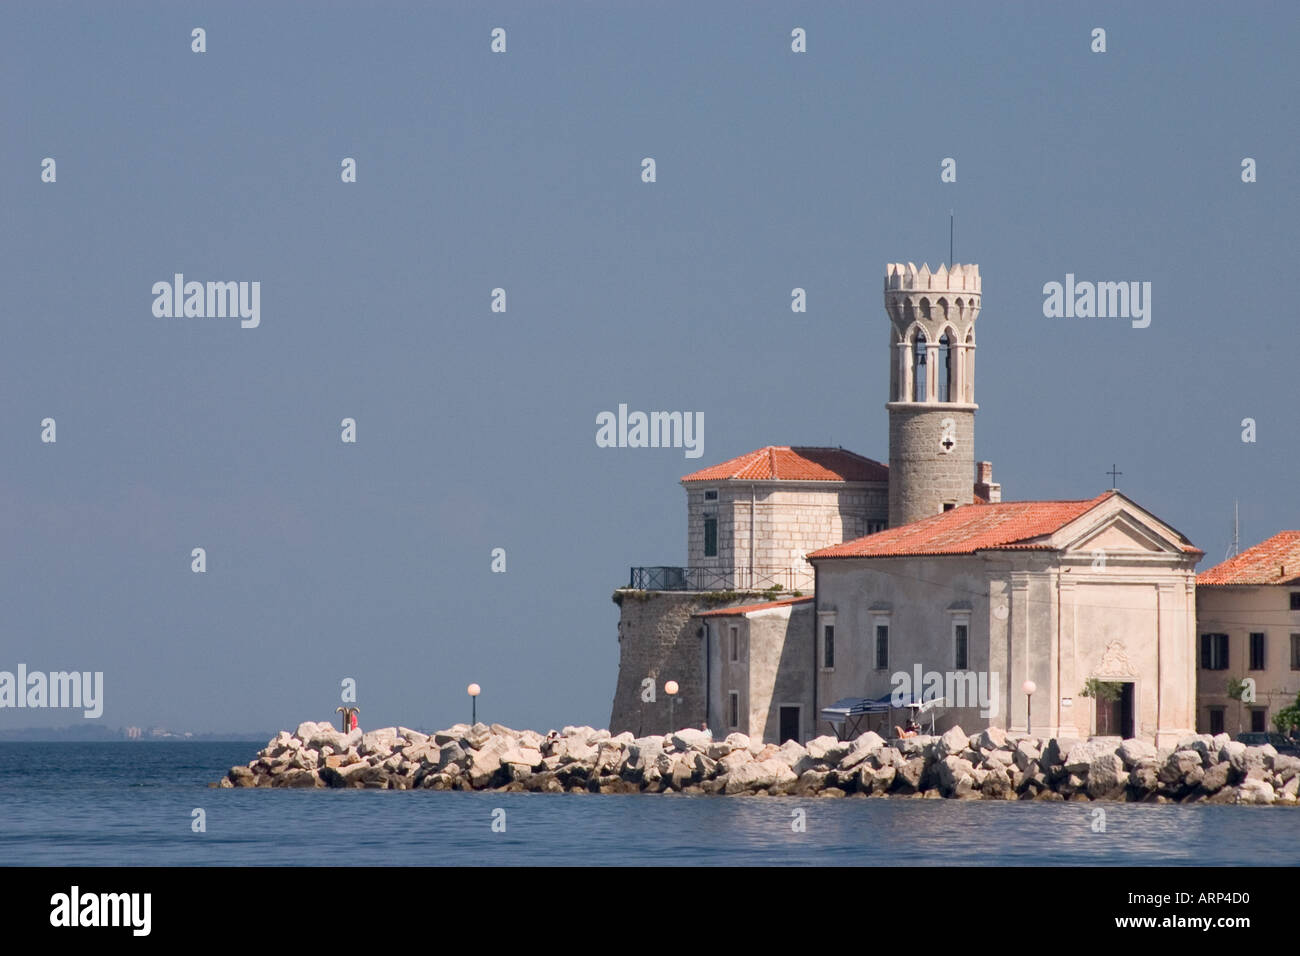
<point>658,640</point>
<point>789,520</point>
<point>922,476</point>
<point>774,668</point>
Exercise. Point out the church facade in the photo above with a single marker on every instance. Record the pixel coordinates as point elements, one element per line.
<point>817,575</point>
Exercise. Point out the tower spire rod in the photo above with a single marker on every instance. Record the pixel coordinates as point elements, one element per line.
<point>1236,528</point>
<point>950,231</point>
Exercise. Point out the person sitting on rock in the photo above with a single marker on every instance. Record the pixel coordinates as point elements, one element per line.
<point>902,734</point>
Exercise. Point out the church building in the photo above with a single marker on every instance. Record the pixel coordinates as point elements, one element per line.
<point>817,576</point>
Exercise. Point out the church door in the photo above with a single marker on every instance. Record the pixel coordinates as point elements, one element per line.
<point>1126,709</point>
<point>1115,717</point>
<point>789,723</point>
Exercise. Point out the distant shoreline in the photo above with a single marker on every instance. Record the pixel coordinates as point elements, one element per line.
<point>81,736</point>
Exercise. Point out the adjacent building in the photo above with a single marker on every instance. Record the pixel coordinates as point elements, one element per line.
<point>1248,622</point>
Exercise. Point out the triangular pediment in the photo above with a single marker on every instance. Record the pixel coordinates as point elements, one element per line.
<point>1119,535</point>
<point>1119,527</point>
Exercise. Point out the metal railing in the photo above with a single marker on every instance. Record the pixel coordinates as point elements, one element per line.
<point>664,578</point>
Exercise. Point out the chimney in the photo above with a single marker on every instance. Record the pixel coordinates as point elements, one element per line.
<point>985,486</point>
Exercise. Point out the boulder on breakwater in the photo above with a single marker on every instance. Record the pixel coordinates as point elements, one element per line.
<point>992,765</point>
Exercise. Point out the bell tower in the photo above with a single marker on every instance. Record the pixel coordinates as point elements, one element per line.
<point>931,388</point>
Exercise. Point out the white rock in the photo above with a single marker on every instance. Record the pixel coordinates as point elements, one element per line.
<point>328,737</point>
<point>818,746</point>
<point>1105,775</point>
<point>687,739</point>
<point>1132,750</point>
<point>1081,755</point>
<point>586,735</point>
<point>735,759</point>
<point>953,741</point>
<point>956,776</point>
<point>576,750</point>
<point>413,737</point>
<point>308,729</point>
<point>524,756</point>
<point>1234,752</point>
<point>379,742</point>
<point>1254,790</point>
<point>719,749</point>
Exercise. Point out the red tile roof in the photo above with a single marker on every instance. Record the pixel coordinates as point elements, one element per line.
<point>1018,525</point>
<point>786,463</point>
<point>746,608</point>
<point>1275,561</point>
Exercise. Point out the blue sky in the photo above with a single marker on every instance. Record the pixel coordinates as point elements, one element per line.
<point>476,430</point>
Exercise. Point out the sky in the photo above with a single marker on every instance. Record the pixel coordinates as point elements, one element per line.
<point>522,170</point>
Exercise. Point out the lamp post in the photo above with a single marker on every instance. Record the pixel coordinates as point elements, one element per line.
<point>1029,687</point>
<point>670,688</point>
<point>349,717</point>
<point>473,690</point>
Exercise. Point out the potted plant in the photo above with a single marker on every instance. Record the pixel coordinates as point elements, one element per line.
<point>1103,692</point>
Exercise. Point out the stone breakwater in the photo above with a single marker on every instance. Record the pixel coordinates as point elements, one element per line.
<point>992,765</point>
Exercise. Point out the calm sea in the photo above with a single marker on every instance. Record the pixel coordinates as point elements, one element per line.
<point>108,804</point>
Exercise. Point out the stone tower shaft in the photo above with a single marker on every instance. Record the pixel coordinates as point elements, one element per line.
<point>931,388</point>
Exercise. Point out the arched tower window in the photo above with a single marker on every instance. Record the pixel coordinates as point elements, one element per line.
<point>919,368</point>
<point>968,373</point>
<point>946,368</point>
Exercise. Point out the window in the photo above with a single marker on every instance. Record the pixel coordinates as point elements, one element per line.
<point>875,527</point>
<point>960,634</point>
<point>1214,652</point>
<point>919,369</point>
<point>1216,720</point>
<point>945,369</point>
<point>711,496</point>
<point>711,537</point>
<point>949,505</point>
<point>828,646</point>
<point>1257,652</point>
<point>1295,652</point>
<point>1258,723</point>
<point>735,642</point>
<point>882,647</point>
<point>733,707</point>
<point>1295,600</point>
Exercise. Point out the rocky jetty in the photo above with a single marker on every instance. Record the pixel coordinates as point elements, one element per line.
<point>992,765</point>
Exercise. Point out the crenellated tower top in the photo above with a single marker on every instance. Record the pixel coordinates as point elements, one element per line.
<point>960,278</point>
<point>933,336</point>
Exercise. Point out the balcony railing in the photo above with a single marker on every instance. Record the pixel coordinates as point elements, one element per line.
<point>665,578</point>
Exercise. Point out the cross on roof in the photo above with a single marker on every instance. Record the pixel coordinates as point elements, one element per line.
<point>1113,475</point>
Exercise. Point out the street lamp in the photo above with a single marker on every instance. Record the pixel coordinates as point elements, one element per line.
<point>1029,687</point>
<point>670,688</point>
<point>473,690</point>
